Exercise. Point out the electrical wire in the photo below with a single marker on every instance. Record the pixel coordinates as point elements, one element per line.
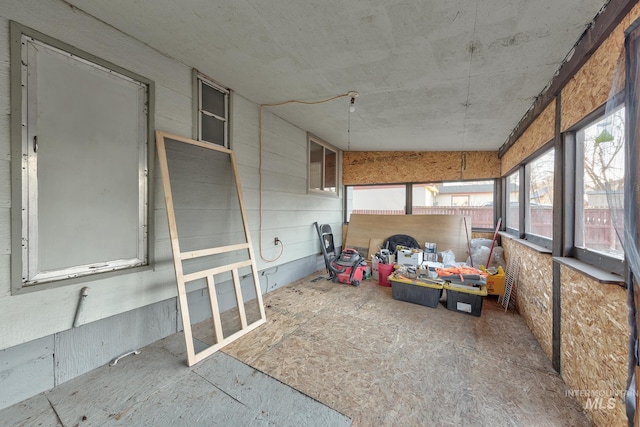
<point>277,104</point>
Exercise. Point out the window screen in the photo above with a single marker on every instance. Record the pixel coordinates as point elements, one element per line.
<point>84,166</point>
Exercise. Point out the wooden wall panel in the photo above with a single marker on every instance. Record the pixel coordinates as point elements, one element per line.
<point>388,167</point>
<point>534,291</point>
<point>594,339</point>
<point>591,86</point>
<point>539,133</point>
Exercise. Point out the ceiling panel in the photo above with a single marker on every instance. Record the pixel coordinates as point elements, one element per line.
<point>432,75</point>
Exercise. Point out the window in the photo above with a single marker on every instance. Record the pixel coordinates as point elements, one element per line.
<point>474,199</point>
<point>512,202</point>
<point>539,213</point>
<point>212,112</point>
<point>376,199</point>
<point>323,166</point>
<point>600,185</point>
<point>83,175</point>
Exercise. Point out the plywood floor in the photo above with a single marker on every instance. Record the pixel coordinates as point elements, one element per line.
<point>333,355</point>
<point>387,362</point>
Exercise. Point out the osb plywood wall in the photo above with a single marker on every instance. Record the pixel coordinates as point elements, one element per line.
<point>539,133</point>
<point>534,291</point>
<point>390,167</point>
<point>594,339</point>
<point>590,87</point>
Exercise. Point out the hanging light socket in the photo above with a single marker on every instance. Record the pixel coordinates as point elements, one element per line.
<point>353,95</point>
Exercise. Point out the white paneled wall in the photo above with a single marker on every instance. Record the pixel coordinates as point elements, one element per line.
<point>288,211</point>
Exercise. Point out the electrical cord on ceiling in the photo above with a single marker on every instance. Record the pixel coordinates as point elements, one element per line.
<point>350,94</point>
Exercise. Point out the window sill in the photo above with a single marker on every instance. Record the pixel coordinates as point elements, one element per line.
<point>537,248</point>
<point>591,271</point>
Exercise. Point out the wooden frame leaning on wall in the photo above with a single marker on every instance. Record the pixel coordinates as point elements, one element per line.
<point>205,269</point>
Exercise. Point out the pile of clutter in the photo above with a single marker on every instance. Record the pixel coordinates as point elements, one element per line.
<point>421,275</point>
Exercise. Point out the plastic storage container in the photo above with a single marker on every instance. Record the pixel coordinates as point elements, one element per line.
<point>416,292</point>
<point>465,299</point>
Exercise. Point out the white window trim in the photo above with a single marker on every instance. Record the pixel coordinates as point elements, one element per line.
<point>325,145</point>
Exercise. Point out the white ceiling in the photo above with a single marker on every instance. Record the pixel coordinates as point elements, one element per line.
<point>432,75</point>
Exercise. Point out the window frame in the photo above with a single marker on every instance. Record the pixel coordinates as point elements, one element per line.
<point>506,201</point>
<point>338,173</point>
<point>200,79</point>
<point>20,182</point>
<point>571,141</point>
<point>497,203</point>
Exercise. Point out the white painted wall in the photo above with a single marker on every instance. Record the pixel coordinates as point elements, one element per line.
<point>288,211</point>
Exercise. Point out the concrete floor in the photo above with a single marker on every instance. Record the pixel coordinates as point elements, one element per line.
<point>329,354</point>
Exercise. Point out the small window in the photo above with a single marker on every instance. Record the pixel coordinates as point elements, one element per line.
<point>600,176</point>
<point>512,202</point>
<point>539,214</point>
<point>323,166</point>
<point>212,112</point>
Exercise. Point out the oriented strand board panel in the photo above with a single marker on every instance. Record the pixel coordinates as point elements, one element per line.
<point>385,362</point>
<point>480,165</point>
<point>534,291</point>
<point>447,231</point>
<point>591,86</point>
<point>387,167</point>
<point>539,133</point>
<point>594,340</point>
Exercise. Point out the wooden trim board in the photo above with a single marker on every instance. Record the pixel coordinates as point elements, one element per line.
<point>447,231</point>
<point>210,272</point>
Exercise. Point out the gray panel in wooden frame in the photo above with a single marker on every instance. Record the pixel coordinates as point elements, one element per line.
<point>208,272</point>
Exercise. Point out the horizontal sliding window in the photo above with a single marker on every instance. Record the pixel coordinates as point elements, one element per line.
<point>376,199</point>
<point>473,199</point>
<point>324,166</point>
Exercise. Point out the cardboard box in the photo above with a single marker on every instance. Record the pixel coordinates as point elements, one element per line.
<point>495,282</point>
<point>409,256</point>
<point>465,299</point>
<point>416,292</point>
